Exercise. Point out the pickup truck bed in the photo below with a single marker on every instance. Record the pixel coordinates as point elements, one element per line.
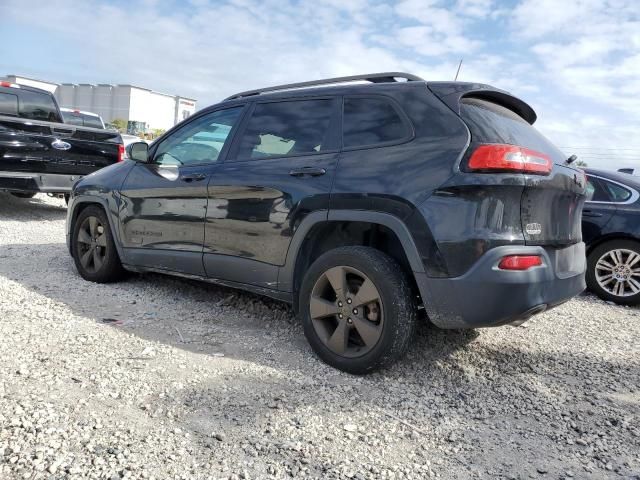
<point>39,153</point>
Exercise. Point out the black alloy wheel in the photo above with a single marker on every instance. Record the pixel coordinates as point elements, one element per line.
<point>93,248</point>
<point>357,308</point>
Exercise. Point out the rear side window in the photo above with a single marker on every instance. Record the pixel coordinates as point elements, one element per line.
<point>299,127</point>
<point>493,123</point>
<point>599,190</point>
<point>8,104</point>
<point>37,106</point>
<point>371,121</point>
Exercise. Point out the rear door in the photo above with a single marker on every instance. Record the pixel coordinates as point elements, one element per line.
<point>165,200</point>
<point>280,167</point>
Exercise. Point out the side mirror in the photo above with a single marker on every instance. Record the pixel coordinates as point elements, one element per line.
<point>138,152</point>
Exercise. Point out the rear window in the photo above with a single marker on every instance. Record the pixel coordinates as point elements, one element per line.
<point>493,123</point>
<point>37,106</point>
<point>8,104</point>
<point>71,118</point>
<point>81,119</point>
<point>371,121</point>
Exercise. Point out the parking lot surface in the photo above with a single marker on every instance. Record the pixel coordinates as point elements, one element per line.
<point>163,378</point>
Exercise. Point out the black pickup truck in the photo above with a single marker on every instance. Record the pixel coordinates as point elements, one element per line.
<point>40,153</point>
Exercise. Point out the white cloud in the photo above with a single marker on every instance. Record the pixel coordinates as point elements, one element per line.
<point>577,62</point>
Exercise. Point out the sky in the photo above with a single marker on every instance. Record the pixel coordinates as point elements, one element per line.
<point>576,62</point>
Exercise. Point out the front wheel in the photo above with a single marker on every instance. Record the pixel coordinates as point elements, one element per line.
<point>93,248</point>
<point>357,309</point>
<point>613,271</point>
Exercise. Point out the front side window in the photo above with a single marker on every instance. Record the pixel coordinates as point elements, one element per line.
<point>371,121</point>
<point>299,127</point>
<point>8,104</point>
<point>201,141</point>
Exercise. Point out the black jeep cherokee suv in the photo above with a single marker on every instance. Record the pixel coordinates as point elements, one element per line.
<point>356,202</point>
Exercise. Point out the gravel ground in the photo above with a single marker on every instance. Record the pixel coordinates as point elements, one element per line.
<point>163,378</point>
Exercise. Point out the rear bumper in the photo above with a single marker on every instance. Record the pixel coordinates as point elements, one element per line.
<point>37,182</point>
<point>487,297</point>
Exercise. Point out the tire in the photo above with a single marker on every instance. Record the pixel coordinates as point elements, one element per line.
<point>378,332</point>
<point>625,291</point>
<point>23,194</point>
<point>100,242</point>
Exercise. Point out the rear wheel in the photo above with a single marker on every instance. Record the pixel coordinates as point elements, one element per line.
<point>23,194</point>
<point>94,251</point>
<point>613,271</point>
<point>357,309</point>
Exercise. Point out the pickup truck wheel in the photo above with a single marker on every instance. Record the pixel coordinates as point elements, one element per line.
<point>613,271</point>
<point>94,251</point>
<point>23,194</point>
<point>357,309</point>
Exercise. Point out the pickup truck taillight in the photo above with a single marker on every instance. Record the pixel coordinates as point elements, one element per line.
<point>121,153</point>
<point>509,158</point>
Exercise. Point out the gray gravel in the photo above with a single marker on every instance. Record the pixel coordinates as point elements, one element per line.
<point>162,378</point>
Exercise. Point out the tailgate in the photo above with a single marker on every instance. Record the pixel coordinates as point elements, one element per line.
<point>46,147</point>
<point>552,207</point>
<point>551,203</point>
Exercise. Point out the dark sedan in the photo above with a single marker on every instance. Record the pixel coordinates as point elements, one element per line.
<point>611,230</point>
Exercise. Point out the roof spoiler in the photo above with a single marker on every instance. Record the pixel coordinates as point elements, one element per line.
<point>451,94</point>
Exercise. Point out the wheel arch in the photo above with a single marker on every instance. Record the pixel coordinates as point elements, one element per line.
<point>609,238</point>
<point>81,203</point>
<point>323,230</point>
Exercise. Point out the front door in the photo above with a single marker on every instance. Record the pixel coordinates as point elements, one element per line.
<point>165,200</point>
<point>280,167</point>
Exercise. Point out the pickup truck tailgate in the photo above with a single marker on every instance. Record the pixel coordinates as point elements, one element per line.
<point>55,148</point>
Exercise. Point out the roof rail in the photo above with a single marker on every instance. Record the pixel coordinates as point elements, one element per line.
<point>371,77</point>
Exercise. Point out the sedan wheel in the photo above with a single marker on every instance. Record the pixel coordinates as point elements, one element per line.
<point>618,272</point>
<point>613,271</point>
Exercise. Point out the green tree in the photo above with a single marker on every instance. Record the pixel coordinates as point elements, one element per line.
<point>157,132</point>
<point>120,124</point>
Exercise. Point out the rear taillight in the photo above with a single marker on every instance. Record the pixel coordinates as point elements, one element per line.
<point>520,262</point>
<point>120,153</point>
<point>9,84</point>
<point>509,158</point>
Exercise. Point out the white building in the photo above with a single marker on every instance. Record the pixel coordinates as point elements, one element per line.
<point>111,102</point>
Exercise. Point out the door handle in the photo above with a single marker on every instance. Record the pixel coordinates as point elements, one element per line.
<point>193,177</point>
<point>307,171</point>
<point>62,132</point>
<point>589,213</point>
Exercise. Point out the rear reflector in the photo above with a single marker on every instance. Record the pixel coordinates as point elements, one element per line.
<point>519,262</point>
<point>509,158</point>
<point>120,153</point>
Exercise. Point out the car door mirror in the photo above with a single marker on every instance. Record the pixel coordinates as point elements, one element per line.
<point>138,152</point>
